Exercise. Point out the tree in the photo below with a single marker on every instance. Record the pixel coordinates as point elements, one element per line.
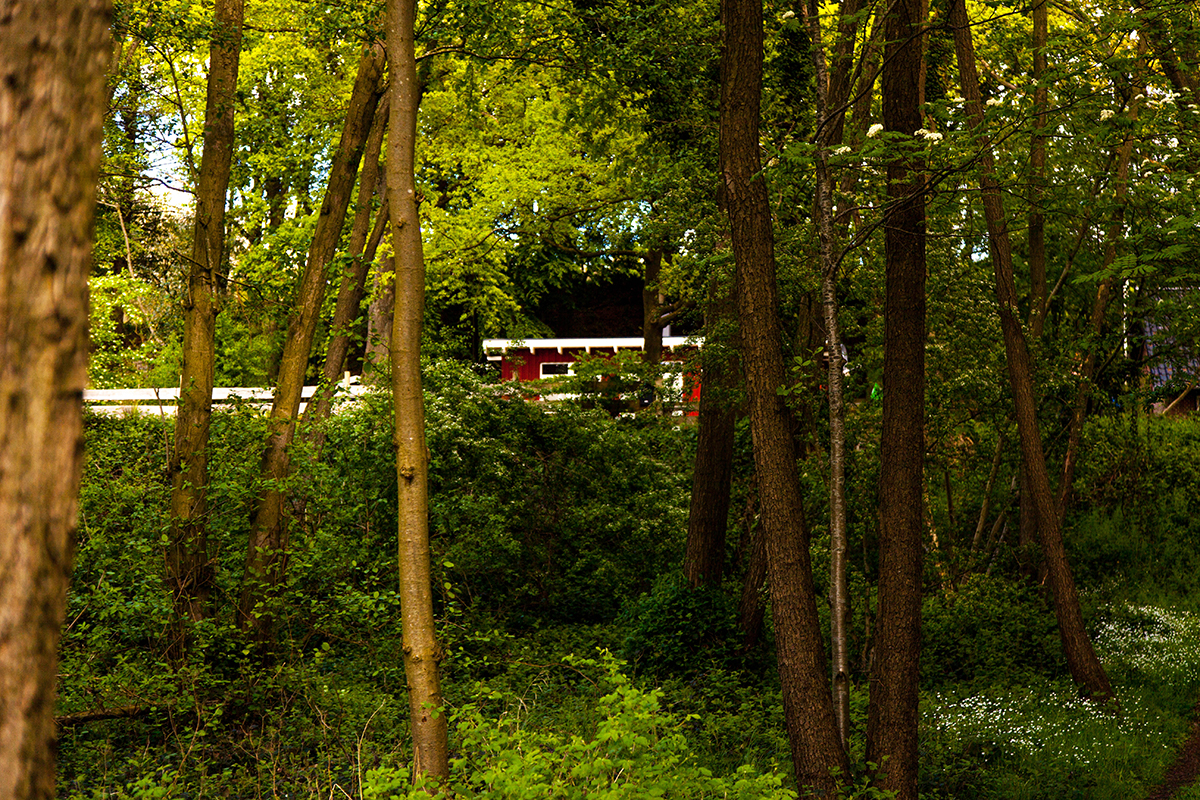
<point>712,477</point>
<point>1082,660</point>
<point>361,251</point>
<point>53,57</point>
<point>267,549</point>
<point>832,92</point>
<point>189,572</point>
<point>422,652</point>
<point>892,713</point>
<point>812,732</point>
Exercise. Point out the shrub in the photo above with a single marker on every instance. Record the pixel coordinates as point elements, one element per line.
<point>991,631</point>
<point>637,751</point>
<point>679,630</point>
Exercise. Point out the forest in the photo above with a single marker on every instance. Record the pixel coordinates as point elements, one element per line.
<point>930,530</point>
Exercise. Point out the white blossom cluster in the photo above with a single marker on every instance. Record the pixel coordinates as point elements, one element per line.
<point>1159,642</point>
<point>1052,721</point>
<point>1048,721</point>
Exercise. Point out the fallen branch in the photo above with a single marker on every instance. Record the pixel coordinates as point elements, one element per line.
<point>82,717</point>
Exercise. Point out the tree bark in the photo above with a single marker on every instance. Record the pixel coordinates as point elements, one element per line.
<point>1087,370</point>
<point>712,478</point>
<point>266,552</point>
<point>189,572</point>
<point>892,711</point>
<point>1082,661</point>
<point>1037,166</point>
<point>831,92</point>
<point>652,328</point>
<point>53,58</point>
<point>816,748</point>
<point>361,248</point>
<point>422,651</point>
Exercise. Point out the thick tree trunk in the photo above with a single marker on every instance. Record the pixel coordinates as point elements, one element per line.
<point>422,651</point>
<point>53,57</point>
<point>267,549</point>
<point>712,478</point>
<point>816,748</point>
<point>364,240</point>
<point>1085,666</point>
<point>189,572</point>
<point>892,712</point>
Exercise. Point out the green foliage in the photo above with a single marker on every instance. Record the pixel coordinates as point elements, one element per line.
<point>561,514</point>
<point>1040,740</point>
<point>989,632</point>
<point>679,630</point>
<point>637,750</point>
<point>1139,519</point>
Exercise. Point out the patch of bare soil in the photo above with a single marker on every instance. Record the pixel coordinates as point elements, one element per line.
<point>1186,767</point>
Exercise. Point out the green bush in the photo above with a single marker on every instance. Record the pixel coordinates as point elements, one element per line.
<point>555,512</point>
<point>990,632</point>
<point>679,630</point>
<point>636,751</point>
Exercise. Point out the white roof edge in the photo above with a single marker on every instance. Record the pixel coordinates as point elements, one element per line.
<point>587,345</point>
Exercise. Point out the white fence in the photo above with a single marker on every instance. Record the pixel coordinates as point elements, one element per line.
<point>163,401</point>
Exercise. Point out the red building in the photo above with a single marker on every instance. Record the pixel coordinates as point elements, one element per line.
<point>536,359</point>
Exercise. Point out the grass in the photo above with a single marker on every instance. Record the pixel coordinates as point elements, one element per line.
<point>1042,741</point>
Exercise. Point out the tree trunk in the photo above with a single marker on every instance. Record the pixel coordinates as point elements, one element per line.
<point>267,549</point>
<point>1085,666</point>
<point>189,572</point>
<point>750,605</point>
<point>1087,370</point>
<point>53,57</point>
<point>988,488</point>
<point>422,651</point>
<point>892,712</point>
<point>712,478</point>
<point>652,329</point>
<point>816,749</point>
<point>361,248</point>
<point>830,94</point>
<point>377,354</point>
<point>1037,166</point>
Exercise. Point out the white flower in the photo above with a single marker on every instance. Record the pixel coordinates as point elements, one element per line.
<point>841,151</point>
<point>994,101</point>
<point>933,136</point>
<point>874,130</point>
<point>788,15</point>
<point>1106,114</point>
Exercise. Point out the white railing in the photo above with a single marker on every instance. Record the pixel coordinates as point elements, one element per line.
<point>117,402</point>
